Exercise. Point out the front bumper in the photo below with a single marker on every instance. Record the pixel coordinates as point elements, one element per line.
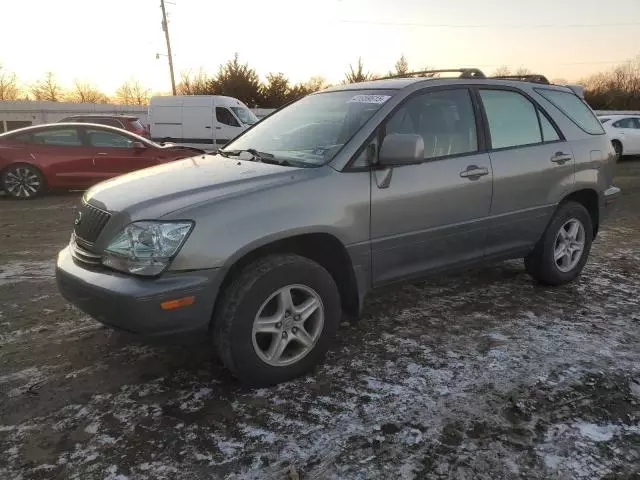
<point>132,304</point>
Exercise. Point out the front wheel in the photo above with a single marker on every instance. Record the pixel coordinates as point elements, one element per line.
<point>22,181</point>
<point>561,253</point>
<point>276,320</point>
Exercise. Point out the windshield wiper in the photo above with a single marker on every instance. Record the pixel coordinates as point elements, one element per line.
<point>263,157</point>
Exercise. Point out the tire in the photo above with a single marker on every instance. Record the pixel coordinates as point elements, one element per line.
<point>541,263</point>
<point>22,181</point>
<point>617,146</point>
<point>257,293</point>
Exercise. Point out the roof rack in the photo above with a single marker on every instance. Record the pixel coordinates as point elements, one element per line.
<point>464,73</point>
<point>533,78</point>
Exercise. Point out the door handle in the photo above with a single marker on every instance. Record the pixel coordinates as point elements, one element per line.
<point>474,172</point>
<point>208,126</point>
<point>218,128</point>
<point>561,158</point>
<point>101,153</point>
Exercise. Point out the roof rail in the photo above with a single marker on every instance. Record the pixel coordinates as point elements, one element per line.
<point>533,78</point>
<point>464,73</point>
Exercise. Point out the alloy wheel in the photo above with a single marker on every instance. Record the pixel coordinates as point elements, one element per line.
<point>288,325</point>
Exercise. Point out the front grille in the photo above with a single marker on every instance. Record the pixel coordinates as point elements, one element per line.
<point>89,222</point>
<point>84,256</point>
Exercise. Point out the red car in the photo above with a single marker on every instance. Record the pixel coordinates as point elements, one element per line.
<point>75,156</point>
<point>125,122</point>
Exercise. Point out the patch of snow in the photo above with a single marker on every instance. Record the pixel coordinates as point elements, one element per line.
<point>597,433</point>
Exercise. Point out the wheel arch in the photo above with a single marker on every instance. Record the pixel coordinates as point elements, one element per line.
<point>321,247</point>
<point>589,199</point>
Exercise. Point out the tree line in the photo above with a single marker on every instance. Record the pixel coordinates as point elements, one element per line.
<point>616,89</point>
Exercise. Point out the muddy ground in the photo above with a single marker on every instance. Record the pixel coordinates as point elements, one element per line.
<point>484,375</point>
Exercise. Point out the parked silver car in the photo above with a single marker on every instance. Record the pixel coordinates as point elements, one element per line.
<point>265,245</point>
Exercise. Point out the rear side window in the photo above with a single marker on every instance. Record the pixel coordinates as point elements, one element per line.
<point>574,108</point>
<point>136,125</point>
<point>112,122</point>
<point>513,120</point>
<point>625,123</point>
<point>549,133</point>
<point>67,137</point>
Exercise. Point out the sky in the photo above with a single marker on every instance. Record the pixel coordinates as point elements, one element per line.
<point>106,42</point>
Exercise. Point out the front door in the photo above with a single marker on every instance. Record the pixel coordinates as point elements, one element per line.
<point>629,129</point>
<point>432,215</point>
<point>114,153</point>
<point>533,166</point>
<point>227,127</point>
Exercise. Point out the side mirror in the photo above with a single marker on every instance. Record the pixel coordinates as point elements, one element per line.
<point>138,146</point>
<point>401,149</point>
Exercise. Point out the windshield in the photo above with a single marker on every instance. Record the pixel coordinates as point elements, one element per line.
<point>245,115</point>
<point>312,130</point>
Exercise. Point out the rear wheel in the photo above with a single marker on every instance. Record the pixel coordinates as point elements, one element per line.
<point>22,181</point>
<point>617,146</point>
<point>562,252</point>
<point>276,320</point>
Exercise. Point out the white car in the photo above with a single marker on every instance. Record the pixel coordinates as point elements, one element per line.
<point>624,132</point>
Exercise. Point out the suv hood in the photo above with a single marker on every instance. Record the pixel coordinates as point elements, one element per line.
<point>162,189</point>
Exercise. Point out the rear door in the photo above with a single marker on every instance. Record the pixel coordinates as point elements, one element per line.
<point>432,215</point>
<point>115,154</point>
<point>227,126</point>
<point>61,154</point>
<point>629,128</point>
<point>533,167</point>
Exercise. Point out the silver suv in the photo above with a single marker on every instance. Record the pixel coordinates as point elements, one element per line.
<point>263,246</point>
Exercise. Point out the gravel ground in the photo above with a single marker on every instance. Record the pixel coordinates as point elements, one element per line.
<point>477,376</point>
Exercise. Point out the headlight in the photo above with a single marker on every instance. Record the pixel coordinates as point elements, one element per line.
<point>146,248</point>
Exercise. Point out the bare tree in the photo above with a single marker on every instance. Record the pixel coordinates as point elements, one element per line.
<point>522,71</point>
<point>195,84</point>
<point>502,71</point>
<point>84,92</point>
<point>358,74</point>
<point>132,92</point>
<point>401,66</point>
<point>618,89</point>
<point>9,89</point>
<point>47,89</point>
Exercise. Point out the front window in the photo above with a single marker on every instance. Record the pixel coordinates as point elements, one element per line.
<point>107,139</point>
<point>314,129</point>
<point>245,115</point>
<point>224,116</point>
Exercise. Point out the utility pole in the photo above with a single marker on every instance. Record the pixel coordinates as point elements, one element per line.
<point>165,28</point>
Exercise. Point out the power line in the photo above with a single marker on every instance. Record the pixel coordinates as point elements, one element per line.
<point>448,25</point>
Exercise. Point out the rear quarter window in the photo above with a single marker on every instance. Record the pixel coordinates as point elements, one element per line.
<point>574,108</point>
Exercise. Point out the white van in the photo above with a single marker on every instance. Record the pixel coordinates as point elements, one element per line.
<point>201,121</point>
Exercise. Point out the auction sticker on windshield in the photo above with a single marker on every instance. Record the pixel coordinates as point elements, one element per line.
<point>369,99</point>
